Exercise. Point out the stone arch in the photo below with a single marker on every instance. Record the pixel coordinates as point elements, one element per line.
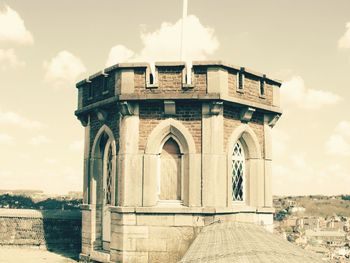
<point>249,139</point>
<point>170,127</point>
<point>253,168</point>
<point>100,215</point>
<point>174,129</point>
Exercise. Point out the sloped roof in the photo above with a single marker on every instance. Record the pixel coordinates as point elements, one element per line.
<point>244,242</point>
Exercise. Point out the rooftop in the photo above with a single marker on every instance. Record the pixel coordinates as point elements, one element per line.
<point>243,242</point>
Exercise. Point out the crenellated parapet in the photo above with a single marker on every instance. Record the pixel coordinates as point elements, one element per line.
<point>209,80</point>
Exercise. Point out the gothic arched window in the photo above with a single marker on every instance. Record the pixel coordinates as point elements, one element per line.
<point>238,172</point>
<point>170,171</point>
<point>107,177</point>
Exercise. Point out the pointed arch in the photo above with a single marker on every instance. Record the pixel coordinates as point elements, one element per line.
<point>103,184</point>
<point>251,174</point>
<point>95,146</point>
<point>248,137</point>
<point>166,128</point>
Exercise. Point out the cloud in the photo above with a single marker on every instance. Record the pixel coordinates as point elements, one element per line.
<point>12,118</point>
<point>39,140</point>
<point>119,54</point>
<point>339,142</point>
<point>5,174</point>
<point>77,145</point>
<point>51,161</point>
<point>295,92</point>
<point>164,44</point>
<point>344,41</point>
<point>298,173</point>
<point>280,140</point>
<point>6,139</point>
<point>8,59</point>
<point>12,28</point>
<point>63,70</point>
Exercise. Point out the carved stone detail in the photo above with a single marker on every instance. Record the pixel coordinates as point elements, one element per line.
<point>169,107</point>
<point>126,108</point>
<point>216,107</point>
<point>246,114</point>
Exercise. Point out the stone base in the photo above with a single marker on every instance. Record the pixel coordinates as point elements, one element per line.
<point>164,235</point>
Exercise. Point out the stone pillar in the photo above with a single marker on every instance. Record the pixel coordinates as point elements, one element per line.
<point>217,80</point>
<point>268,161</point>
<point>86,171</point>
<point>150,170</point>
<point>129,159</point>
<point>213,157</point>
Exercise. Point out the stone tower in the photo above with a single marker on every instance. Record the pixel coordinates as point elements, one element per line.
<point>164,158</point>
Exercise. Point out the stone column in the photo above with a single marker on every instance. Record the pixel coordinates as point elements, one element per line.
<point>130,161</point>
<point>268,161</point>
<point>86,171</point>
<point>213,157</point>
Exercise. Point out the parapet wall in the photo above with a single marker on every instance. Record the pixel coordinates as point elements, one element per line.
<point>208,80</point>
<point>46,229</point>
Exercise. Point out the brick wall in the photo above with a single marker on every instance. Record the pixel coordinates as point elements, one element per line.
<point>251,90</point>
<point>189,113</point>
<point>48,229</point>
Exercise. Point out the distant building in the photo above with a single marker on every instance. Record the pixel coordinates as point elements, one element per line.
<point>326,237</point>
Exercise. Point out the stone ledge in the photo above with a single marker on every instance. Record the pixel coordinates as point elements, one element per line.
<point>31,213</point>
<point>235,209</point>
<point>176,96</point>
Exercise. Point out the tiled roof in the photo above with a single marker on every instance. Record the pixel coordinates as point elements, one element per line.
<point>244,242</point>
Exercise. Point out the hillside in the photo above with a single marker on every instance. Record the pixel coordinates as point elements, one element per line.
<point>316,205</point>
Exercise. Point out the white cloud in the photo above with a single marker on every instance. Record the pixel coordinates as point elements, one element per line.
<point>63,70</point>
<point>163,44</point>
<point>295,92</point>
<point>344,41</point>
<point>51,160</point>
<point>280,140</point>
<point>6,139</point>
<point>298,175</point>
<point>339,142</point>
<point>4,174</point>
<point>77,145</point>
<point>8,59</point>
<point>12,28</point>
<point>119,54</point>
<point>12,118</point>
<point>343,128</point>
<point>39,140</point>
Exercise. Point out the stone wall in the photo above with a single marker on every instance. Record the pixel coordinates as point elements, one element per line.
<point>46,229</point>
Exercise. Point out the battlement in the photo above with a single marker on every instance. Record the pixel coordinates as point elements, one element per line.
<point>209,80</point>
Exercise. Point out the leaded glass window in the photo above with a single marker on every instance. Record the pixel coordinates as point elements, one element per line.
<point>109,168</point>
<point>238,163</point>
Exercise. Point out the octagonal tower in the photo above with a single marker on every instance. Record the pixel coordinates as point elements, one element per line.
<point>164,158</point>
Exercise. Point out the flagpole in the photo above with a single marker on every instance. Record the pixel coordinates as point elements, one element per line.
<point>184,15</point>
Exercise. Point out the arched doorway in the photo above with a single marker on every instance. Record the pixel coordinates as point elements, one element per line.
<point>170,171</point>
<point>103,185</point>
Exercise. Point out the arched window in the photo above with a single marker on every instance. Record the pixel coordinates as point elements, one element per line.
<point>108,173</point>
<point>170,171</point>
<point>238,172</point>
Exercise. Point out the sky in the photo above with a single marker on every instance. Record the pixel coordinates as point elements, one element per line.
<point>47,46</point>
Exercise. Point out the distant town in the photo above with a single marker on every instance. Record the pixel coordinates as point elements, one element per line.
<point>37,199</point>
<point>317,223</point>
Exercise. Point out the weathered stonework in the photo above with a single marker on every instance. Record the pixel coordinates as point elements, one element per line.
<point>130,115</point>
